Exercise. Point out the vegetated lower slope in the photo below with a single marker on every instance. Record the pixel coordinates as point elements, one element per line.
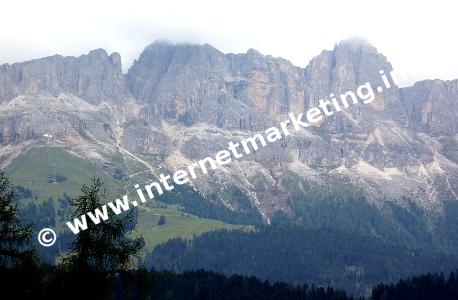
<point>293,254</point>
<point>53,172</point>
<point>46,177</point>
<point>177,224</point>
<point>338,203</point>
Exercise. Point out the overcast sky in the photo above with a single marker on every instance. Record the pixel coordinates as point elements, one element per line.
<point>419,38</point>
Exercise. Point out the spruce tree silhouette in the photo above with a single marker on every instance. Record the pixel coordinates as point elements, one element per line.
<point>19,272</point>
<point>101,252</point>
<point>14,236</point>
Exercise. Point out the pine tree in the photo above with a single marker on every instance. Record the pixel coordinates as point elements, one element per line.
<point>105,247</point>
<point>20,274</point>
<point>101,252</point>
<point>14,236</point>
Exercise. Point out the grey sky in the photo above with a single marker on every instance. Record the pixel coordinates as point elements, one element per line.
<point>417,37</point>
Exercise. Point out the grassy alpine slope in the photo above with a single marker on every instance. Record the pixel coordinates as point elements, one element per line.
<point>49,172</point>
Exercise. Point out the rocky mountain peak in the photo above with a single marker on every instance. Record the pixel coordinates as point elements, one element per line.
<point>93,77</point>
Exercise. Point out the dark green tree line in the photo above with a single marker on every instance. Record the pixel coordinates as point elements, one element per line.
<point>99,265</point>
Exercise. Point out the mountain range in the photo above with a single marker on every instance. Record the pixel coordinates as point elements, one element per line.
<point>388,169</point>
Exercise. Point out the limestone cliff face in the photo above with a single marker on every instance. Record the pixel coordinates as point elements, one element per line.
<point>192,84</point>
<point>431,106</point>
<point>180,103</point>
<point>92,77</point>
